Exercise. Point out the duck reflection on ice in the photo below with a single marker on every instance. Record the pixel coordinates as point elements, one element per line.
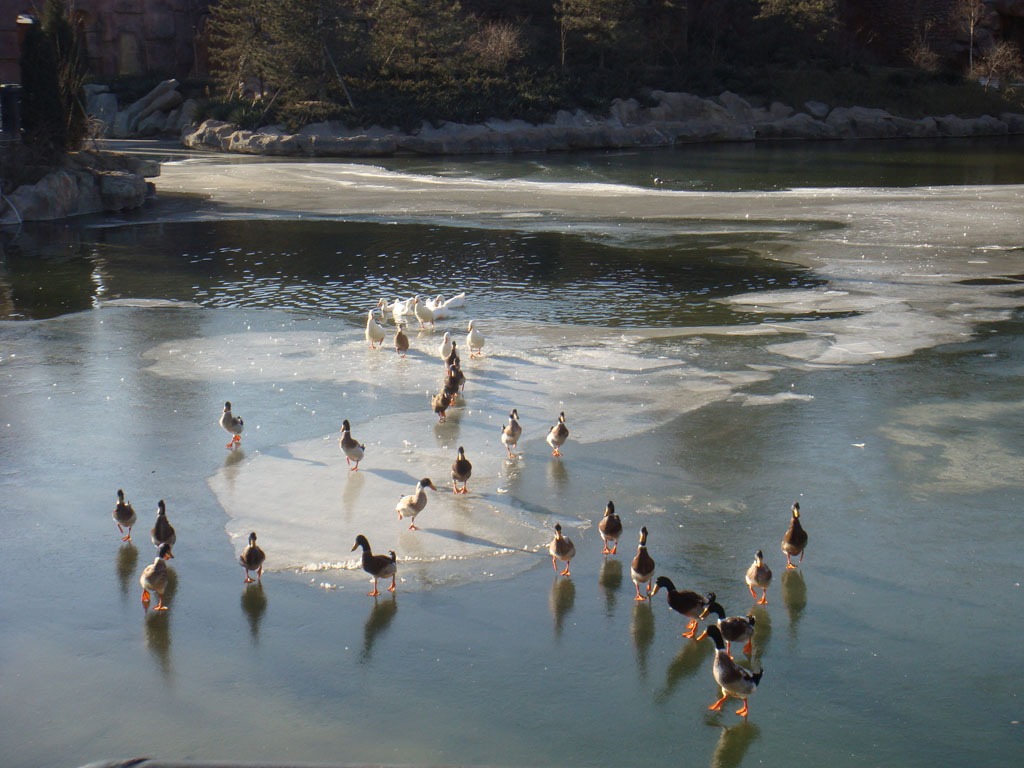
<point>762,634</point>
<point>733,743</point>
<point>254,605</point>
<point>157,628</point>
<point>381,615</point>
<point>794,595</point>
<point>563,595</point>
<point>641,629</point>
<point>127,559</point>
<point>610,578</point>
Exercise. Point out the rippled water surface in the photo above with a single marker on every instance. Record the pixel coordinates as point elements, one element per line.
<point>718,356</point>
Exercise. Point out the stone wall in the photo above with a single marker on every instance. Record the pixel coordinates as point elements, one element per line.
<point>123,37</point>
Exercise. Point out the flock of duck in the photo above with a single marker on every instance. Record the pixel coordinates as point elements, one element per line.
<point>734,680</point>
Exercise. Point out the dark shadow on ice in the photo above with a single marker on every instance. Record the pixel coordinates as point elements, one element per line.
<point>394,476</point>
<point>280,452</point>
<point>446,533</point>
<point>687,663</point>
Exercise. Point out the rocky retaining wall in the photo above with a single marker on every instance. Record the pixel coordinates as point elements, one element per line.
<point>88,182</point>
<point>678,118</point>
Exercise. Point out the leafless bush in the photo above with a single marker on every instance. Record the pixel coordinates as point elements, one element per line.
<point>496,44</point>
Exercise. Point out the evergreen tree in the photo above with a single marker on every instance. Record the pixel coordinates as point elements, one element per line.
<point>601,24</point>
<point>240,46</point>
<point>419,38</point>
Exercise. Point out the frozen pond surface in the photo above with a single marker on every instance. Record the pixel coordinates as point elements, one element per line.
<point>718,354</point>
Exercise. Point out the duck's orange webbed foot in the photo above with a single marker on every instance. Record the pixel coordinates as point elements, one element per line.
<point>742,711</point>
<point>718,704</point>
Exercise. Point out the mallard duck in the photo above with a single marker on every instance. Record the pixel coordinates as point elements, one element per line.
<point>511,432</point>
<point>461,470</point>
<point>351,447</point>
<point>453,357</point>
<point>124,515</point>
<point>446,346</point>
<point>557,435</point>
<point>795,539</point>
<point>440,403</point>
<point>422,312</point>
<point>690,604</point>
<point>378,566</point>
<point>610,529</point>
<point>401,340</point>
<point>734,628</point>
<point>734,680</point>
<point>252,559</point>
<point>154,578</point>
<point>759,575</point>
<point>561,548</point>
<point>374,333</point>
<point>162,531</point>
<point>232,424</point>
<point>454,378</point>
<point>474,340</point>
<point>642,567</point>
<point>411,505</point>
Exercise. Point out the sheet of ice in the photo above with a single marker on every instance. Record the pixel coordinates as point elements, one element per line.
<point>308,507</point>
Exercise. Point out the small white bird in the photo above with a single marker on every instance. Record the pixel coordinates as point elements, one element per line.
<point>446,346</point>
<point>374,332</point>
<point>474,340</point>
<point>557,435</point>
<point>511,432</point>
<point>383,307</point>
<point>423,313</point>
<point>232,424</point>
<point>411,505</point>
<point>351,447</point>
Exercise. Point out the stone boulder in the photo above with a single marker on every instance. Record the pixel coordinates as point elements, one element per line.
<point>798,126</point>
<point>817,109</point>
<point>952,126</point>
<point>1014,121</point>
<point>212,134</point>
<point>120,190</point>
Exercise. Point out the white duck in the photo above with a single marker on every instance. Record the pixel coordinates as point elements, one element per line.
<point>446,346</point>
<point>401,308</point>
<point>423,313</point>
<point>437,307</point>
<point>456,301</point>
<point>474,340</point>
<point>411,505</point>
<point>374,332</point>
